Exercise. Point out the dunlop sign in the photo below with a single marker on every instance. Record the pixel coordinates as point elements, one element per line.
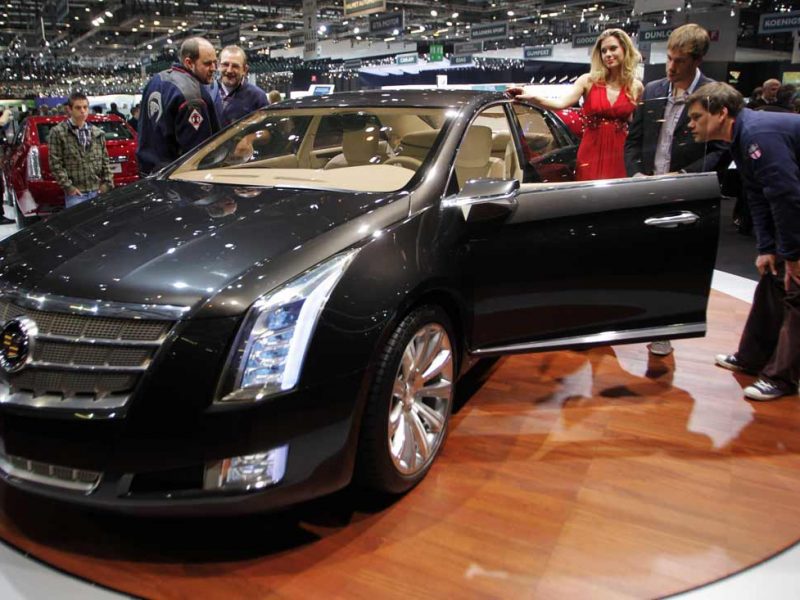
<point>657,34</point>
<point>537,51</point>
<point>583,40</point>
<point>353,8</point>
<point>489,31</point>
<point>775,22</point>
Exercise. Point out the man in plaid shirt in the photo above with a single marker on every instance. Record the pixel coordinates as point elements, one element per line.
<point>78,156</point>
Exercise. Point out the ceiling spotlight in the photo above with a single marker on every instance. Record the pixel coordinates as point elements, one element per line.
<point>356,29</point>
<point>395,32</point>
<point>169,40</point>
<point>733,12</point>
<point>434,13</point>
<point>454,15</point>
<point>149,46</point>
<point>279,26</point>
<point>510,13</point>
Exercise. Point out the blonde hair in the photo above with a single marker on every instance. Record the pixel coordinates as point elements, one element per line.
<point>600,72</point>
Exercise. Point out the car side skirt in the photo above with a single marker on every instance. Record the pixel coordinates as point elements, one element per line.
<point>682,330</point>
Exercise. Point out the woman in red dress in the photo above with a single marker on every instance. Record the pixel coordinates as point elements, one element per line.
<point>610,93</point>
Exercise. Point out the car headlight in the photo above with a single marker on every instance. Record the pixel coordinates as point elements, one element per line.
<point>277,330</point>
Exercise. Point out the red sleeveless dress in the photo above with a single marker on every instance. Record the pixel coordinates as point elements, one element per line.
<point>600,154</point>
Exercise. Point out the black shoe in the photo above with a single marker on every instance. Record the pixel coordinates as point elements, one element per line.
<point>764,391</point>
<point>6,221</point>
<point>731,362</point>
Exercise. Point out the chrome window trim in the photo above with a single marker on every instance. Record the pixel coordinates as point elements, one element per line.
<point>76,486</point>
<point>605,337</point>
<point>94,308</point>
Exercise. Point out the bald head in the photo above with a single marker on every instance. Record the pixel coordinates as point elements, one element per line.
<point>199,58</point>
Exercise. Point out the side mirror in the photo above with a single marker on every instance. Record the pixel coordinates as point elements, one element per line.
<point>485,199</point>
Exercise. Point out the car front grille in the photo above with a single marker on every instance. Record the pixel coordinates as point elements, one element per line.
<point>78,480</point>
<point>81,361</point>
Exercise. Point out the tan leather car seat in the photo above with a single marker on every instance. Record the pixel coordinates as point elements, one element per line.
<point>358,148</point>
<point>474,159</point>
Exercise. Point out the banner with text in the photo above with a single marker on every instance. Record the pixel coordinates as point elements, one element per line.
<point>488,31</point>
<point>533,52</point>
<point>354,8</point>
<point>309,29</point>
<point>381,24</point>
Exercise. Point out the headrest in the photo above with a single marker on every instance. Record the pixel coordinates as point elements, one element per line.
<point>360,146</point>
<point>500,141</point>
<point>420,139</point>
<point>476,149</point>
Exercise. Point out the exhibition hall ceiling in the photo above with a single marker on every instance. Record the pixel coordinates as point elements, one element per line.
<point>131,29</point>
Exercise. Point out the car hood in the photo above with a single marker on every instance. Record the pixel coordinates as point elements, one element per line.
<point>176,243</point>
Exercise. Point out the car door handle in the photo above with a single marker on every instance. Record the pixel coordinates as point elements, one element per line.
<point>685,217</point>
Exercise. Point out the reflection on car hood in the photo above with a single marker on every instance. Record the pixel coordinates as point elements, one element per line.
<point>170,242</point>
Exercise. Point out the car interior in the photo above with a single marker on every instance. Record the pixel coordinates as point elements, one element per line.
<point>379,149</point>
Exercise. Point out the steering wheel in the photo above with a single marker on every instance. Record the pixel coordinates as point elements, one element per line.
<point>404,161</point>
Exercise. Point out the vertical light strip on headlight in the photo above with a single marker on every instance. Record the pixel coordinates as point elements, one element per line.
<point>281,324</point>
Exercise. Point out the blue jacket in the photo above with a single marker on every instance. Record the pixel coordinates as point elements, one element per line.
<point>177,114</point>
<point>240,102</point>
<point>766,148</point>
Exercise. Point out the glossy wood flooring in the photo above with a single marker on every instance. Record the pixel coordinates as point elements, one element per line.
<point>599,474</point>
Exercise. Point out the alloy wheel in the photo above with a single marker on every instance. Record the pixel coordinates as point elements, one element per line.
<point>421,398</point>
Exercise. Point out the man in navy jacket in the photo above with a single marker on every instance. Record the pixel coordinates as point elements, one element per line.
<point>766,149</point>
<point>177,110</point>
<point>233,96</point>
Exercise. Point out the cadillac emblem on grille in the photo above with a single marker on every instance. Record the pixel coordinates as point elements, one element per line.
<point>16,345</point>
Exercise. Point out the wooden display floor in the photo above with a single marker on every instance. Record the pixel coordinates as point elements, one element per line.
<point>599,474</point>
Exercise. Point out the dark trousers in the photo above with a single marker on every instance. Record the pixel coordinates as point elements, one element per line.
<point>770,341</point>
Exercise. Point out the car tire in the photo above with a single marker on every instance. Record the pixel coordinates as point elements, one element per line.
<point>406,419</point>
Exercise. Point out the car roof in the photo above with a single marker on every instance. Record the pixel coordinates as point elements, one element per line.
<point>432,98</point>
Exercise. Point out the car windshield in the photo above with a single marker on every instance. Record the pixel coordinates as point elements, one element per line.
<point>353,149</point>
<point>113,130</point>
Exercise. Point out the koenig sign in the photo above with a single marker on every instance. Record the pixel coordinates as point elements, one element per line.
<point>777,22</point>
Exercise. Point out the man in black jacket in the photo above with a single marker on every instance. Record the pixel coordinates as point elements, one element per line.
<point>659,140</point>
<point>765,146</point>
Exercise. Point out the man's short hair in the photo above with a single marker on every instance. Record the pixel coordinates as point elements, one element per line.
<point>74,97</point>
<point>190,48</point>
<point>274,96</point>
<point>785,95</point>
<point>235,49</point>
<point>715,96</point>
<point>691,39</point>
<point>771,82</point>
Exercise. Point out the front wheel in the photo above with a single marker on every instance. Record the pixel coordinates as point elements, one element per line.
<point>406,420</point>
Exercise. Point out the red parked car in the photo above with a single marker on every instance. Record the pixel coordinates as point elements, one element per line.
<point>28,184</point>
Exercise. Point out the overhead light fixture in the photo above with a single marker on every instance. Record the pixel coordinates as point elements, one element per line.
<point>434,13</point>
<point>279,26</point>
<point>454,15</point>
<point>510,13</point>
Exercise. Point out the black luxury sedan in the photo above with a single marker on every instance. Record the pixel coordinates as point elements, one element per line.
<point>290,306</point>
